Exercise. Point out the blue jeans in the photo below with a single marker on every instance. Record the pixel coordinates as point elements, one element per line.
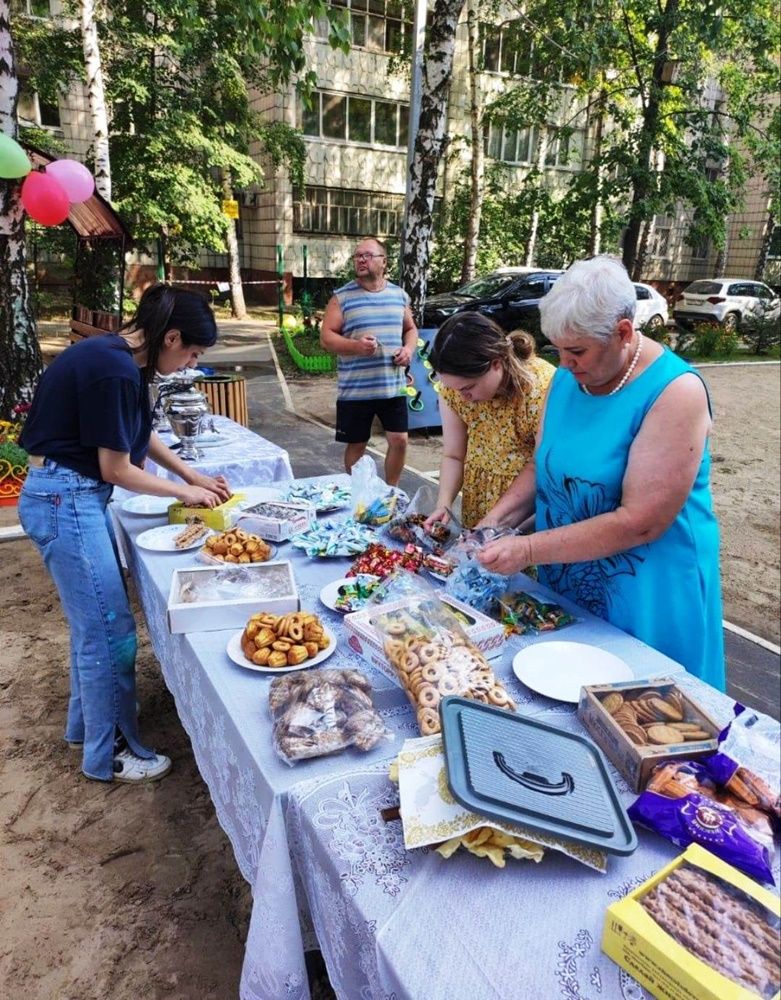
<point>66,516</point>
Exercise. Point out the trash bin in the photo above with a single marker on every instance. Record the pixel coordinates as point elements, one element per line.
<point>226,395</point>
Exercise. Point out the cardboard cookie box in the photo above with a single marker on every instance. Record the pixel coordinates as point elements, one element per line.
<point>276,520</point>
<point>640,724</point>
<point>188,613</point>
<point>698,930</point>
<point>220,517</point>
<point>484,632</point>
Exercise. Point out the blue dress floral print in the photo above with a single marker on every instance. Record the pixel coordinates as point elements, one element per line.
<point>666,593</point>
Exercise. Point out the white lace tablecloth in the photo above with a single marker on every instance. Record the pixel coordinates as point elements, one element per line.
<point>379,911</point>
<point>245,459</point>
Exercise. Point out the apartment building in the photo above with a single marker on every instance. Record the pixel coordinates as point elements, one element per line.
<point>355,132</point>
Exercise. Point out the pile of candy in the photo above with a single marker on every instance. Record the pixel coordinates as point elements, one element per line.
<point>332,538</point>
<point>327,496</point>
<point>522,613</point>
<point>475,586</point>
<point>379,560</point>
<point>379,511</point>
<point>354,595</point>
<point>439,566</point>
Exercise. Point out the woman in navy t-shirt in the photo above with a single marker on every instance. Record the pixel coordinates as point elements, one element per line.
<point>90,429</point>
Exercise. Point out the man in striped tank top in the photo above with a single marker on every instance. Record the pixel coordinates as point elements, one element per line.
<point>368,324</point>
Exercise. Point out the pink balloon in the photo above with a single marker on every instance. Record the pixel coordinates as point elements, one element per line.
<point>74,177</point>
<point>44,199</point>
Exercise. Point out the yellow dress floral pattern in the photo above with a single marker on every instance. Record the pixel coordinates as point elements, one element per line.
<point>500,440</point>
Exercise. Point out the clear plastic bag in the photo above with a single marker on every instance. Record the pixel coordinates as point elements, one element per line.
<point>407,526</point>
<point>470,581</point>
<point>523,614</point>
<point>433,658</point>
<point>321,712</point>
<point>374,502</point>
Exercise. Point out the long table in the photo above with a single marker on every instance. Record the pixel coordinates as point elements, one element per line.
<point>327,872</point>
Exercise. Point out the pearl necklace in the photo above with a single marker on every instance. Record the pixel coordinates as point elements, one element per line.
<point>627,373</point>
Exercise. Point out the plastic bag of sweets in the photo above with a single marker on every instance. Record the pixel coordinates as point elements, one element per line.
<point>433,658</point>
<point>322,712</point>
<point>407,526</point>
<point>748,761</point>
<point>470,581</point>
<point>682,803</point>
<point>522,614</point>
<point>374,502</point>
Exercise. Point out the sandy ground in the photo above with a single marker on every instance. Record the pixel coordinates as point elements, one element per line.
<point>121,892</point>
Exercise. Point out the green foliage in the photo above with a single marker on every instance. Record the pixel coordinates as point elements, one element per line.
<point>763,335</point>
<point>13,454</point>
<point>711,340</point>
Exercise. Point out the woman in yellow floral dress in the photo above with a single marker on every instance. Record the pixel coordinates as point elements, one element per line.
<point>493,390</point>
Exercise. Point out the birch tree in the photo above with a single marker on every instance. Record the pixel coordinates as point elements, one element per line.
<point>430,143</point>
<point>20,355</point>
<point>477,161</point>
<point>97,98</point>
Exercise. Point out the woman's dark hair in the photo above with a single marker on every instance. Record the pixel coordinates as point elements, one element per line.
<point>466,345</point>
<point>163,308</point>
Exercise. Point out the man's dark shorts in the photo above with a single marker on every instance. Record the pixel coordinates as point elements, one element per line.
<point>354,417</point>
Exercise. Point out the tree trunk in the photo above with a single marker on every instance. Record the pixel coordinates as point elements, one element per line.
<point>20,355</point>
<point>644,182</point>
<point>238,308</point>
<point>429,147</point>
<point>542,153</point>
<point>97,98</point>
<point>764,251</point>
<point>478,152</point>
<point>597,208</point>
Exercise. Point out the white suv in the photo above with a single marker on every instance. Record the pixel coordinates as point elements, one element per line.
<point>732,302</point>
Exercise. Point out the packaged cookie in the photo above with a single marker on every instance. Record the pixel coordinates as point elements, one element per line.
<point>323,712</point>
<point>748,760</point>
<point>683,804</point>
<point>429,651</point>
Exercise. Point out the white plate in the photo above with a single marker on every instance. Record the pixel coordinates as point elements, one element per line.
<point>147,505</point>
<point>330,592</point>
<point>211,440</point>
<point>257,494</point>
<point>236,653</point>
<point>162,539</point>
<point>560,669</point>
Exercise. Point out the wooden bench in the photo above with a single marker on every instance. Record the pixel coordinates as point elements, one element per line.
<point>91,322</point>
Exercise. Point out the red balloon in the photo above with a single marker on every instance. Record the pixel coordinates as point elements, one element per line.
<point>44,199</point>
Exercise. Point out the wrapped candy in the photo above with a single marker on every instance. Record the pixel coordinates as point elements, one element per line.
<point>379,560</point>
<point>335,538</point>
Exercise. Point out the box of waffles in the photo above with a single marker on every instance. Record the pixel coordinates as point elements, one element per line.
<point>698,928</point>
<point>639,724</point>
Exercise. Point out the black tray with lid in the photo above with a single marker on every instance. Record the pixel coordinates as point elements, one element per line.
<point>518,770</point>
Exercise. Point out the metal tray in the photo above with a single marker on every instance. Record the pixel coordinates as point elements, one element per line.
<point>518,770</point>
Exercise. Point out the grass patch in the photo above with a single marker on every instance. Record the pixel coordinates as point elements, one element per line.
<point>307,345</point>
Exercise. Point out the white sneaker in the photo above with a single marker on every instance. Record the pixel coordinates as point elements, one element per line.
<point>131,768</point>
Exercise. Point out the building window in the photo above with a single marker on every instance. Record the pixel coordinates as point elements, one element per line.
<point>377,25</point>
<point>774,252</point>
<point>36,8</point>
<point>507,48</point>
<point>346,212</point>
<point>564,152</point>
<point>700,247</point>
<point>31,110</point>
<point>356,119</point>
<point>660,237</point>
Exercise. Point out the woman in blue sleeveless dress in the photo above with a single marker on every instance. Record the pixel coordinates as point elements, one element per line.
<point>620,485</point>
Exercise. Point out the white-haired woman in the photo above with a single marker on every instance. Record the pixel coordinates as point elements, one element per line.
<point>620,482</point>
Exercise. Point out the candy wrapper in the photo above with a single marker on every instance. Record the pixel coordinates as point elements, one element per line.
<point>374,502</point>
<point>357,593</point>
<point>324,497</point>
<point>379,560</point>
<point>682,803</point>
<point>748,761</point>
<point>407,526</point>
<point>433,658</point>
<point>334,538</point>
<point>322,712</point>
<point>522,614</point>
<point>470,581</point>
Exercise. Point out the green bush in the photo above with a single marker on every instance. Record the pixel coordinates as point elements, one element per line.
<point>764,334</point>
<point>661,334</point>
<point>710,340</point>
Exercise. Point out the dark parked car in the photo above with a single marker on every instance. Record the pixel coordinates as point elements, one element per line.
<point>510,297</point>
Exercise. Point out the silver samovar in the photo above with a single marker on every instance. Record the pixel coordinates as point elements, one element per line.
<point>185,407</point>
